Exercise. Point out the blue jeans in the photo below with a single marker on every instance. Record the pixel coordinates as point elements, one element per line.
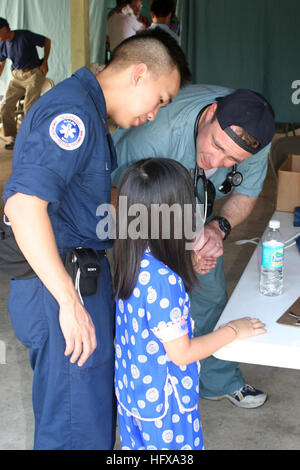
<point>217,377</point>
<point>74,407</point>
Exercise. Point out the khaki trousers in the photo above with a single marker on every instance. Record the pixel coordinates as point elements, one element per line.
<point>28,84</point>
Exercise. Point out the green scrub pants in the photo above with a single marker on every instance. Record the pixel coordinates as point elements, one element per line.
<point>217,377</point>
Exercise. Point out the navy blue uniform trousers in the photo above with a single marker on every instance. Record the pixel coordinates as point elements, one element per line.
<point>74,407</point>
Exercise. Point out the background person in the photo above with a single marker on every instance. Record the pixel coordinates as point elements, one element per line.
<point>61,174</point>
<point>161,14</point>
<point>211,117</point>
<point>156,373</point>
<point>122,24</point>
<point>119,5</point>
<point>136,6</point>
<point>28,72</point>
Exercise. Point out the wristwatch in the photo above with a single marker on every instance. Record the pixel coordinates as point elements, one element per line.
<point>224,225</point>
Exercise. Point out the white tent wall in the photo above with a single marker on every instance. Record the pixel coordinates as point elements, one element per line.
<point>52,19</point>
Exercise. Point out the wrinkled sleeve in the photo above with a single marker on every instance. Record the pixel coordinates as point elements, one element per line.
<point>42,167</point>
<point>167,311</point>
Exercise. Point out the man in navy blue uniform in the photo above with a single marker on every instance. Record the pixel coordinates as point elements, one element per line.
<point>62,166</point>
<point>28,72</point>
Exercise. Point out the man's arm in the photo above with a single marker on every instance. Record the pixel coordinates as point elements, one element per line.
<point>34,234</point>
<point>44,64</point>
<point>236,209</point>
<point>2,65</point>
<point>113,196</point>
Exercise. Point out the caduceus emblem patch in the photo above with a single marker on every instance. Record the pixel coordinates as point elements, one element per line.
<point>67,131</point>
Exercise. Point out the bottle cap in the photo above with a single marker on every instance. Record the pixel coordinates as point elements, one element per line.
<point>274,224</point>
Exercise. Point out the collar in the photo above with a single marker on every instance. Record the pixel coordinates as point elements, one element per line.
<point>93,88</point>
<point>199,115</point>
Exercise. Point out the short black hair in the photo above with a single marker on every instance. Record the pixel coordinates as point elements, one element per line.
<point>153,182</point>
<point>162,8</point>
<point>122,3</point>
<point>3,22</point>
<point>157,49</point>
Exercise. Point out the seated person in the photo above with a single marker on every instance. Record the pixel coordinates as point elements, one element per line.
<point>122,24</point>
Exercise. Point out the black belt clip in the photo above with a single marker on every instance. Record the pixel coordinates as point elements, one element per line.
<point>84,267</point>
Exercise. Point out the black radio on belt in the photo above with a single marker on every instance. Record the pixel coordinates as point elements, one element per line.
<point>84,267</point>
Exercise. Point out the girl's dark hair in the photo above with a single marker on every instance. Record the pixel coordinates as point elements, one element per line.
<point>155,181</point>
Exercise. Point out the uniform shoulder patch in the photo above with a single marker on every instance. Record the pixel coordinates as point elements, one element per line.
<point>67,131</point>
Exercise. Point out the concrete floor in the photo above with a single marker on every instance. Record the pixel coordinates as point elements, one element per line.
<point>274,426</point>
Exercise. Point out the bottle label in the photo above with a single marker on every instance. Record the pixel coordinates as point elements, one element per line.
<point>272,256</point>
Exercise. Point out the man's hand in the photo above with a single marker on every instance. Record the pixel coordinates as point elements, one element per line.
<point>213,241</point>
<point>114,195</point>
<point>44,68</point>
<point>208,246</point>
<point>236,209</point>
<point>78,330</point>
<point>44,64</point>
<point>40,249</point>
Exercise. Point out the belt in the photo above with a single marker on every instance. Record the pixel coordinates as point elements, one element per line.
<point>99,254</point>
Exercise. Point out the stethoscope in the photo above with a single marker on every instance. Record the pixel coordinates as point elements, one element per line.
<point>233,179</point>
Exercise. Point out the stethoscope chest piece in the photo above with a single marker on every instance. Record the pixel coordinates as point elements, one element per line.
<point>233,179</point>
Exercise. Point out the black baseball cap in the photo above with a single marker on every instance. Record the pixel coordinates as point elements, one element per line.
<point>249,110</point>
<point>3,23</point>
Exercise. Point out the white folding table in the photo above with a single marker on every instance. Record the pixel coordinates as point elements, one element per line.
<point>280,346</point>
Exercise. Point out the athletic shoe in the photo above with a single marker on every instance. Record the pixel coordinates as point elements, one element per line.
<point>245,397</point>
<point>10,146</point>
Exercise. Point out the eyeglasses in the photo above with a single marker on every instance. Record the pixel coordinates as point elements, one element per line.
<point>209,191</point>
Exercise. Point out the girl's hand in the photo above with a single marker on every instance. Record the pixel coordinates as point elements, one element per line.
<point>203,264</point>
<point>247,327</point>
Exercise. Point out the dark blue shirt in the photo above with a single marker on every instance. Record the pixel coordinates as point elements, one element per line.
<point>22,49</point>
<point>64,155</point>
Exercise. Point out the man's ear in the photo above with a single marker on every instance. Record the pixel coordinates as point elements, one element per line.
<point>138,73</point>
<point>211,111</point>
<point>213,108</point>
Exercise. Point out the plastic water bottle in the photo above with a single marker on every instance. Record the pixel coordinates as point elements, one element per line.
<point>271,274</point>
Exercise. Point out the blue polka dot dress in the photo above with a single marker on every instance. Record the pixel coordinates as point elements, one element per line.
<point>157,400</point>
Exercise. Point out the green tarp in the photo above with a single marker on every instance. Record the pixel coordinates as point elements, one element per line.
<point>246,44</point>
<point>236,43</point>
<point>52,19</point>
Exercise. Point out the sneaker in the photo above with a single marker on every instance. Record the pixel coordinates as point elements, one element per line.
<point>245,397</point>
<point>10,146</point>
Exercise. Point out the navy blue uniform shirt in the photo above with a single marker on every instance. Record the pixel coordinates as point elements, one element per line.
<point>64,155</point>
<point>22,49</point>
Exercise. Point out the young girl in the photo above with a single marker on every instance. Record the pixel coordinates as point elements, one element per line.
<point>156,368</point>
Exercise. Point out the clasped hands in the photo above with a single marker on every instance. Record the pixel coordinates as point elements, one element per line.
<point>207,248</point>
